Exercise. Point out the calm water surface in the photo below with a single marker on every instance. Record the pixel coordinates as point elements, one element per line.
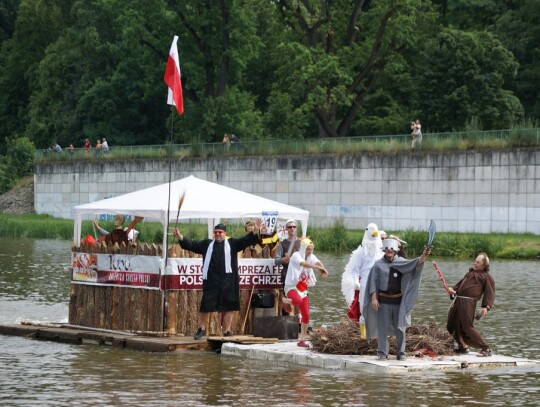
<point>34,285</point>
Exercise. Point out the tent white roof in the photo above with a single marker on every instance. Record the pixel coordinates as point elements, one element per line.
<point>202,200</point>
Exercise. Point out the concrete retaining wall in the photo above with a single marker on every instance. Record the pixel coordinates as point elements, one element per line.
<point>464,191</point>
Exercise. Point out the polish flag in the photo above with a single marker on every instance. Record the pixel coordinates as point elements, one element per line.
<point>173,78</point>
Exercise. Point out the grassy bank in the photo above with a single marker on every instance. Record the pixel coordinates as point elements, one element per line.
<point>336,239</point>
<point>525,134</point>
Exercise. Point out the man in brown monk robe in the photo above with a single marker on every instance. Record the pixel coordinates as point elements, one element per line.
<point>465,294</point>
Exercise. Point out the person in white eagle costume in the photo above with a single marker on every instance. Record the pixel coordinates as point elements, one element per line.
<point>357,271</point>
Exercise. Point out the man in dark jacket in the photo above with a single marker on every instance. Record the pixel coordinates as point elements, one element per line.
<point>221,286</point>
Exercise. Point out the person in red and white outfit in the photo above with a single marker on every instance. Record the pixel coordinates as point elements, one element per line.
<point>299,277</point>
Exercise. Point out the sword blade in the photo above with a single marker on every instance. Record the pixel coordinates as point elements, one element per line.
<point>431,233</point>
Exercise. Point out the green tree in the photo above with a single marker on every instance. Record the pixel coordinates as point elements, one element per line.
<point>20,155</point>
<point>103,77</point>
<point>19,162</point>
<point>334,53</point>
<point>71,69</point>
<point>519,31</point>
<point>8,15</point>
<point>37,25</point>
<point>218,41</point>
<point>463,76</point>
<point>470,14</point>
<point>283,119</point>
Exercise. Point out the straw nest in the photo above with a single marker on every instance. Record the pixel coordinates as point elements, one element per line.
<point>344,339</point>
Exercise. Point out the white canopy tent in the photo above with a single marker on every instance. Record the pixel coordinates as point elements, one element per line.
<point>202,200</point>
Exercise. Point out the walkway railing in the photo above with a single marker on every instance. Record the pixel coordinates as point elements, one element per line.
<point>463,140</point>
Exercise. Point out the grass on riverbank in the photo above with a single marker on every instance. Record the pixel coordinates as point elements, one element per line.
<point>523,134</point>
<point>336,239</point>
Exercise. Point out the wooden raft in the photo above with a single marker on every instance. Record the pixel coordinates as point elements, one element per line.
<point>80,335</point>
<point>154,312</point>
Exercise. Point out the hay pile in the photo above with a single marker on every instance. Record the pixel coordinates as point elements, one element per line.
<point>344,339</point>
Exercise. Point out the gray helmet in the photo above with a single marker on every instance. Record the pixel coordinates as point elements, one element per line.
<point>391,244</point>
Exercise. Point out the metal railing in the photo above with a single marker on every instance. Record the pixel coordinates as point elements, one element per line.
<point>462,140</point>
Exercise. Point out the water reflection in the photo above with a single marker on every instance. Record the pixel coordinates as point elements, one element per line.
<point>34,285</point>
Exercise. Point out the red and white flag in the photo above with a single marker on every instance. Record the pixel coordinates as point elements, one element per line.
<point>173,78</point>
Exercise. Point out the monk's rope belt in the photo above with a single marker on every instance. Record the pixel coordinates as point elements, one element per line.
<point>386,295</point>
<point>456,297</point>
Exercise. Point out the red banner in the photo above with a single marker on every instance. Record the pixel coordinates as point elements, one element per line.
<point>186,274</point>
<point>180,274</point>
<point>116,269</point>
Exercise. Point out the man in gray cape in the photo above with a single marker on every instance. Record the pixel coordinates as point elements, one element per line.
<point>391,292</point>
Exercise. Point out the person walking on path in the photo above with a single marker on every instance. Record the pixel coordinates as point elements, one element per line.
<point>476,285</point>
<point>226,141</point>
<point>299,277</point>
<point>221,285</point>
<point>416,134</point>
<point>392,291</point>
<point>87,146</point>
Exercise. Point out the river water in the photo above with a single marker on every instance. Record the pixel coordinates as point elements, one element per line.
<point>34,286</point>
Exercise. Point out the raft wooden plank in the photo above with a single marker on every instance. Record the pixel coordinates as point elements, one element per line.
<point>130,307</point>
<point>115,311</point>
<point>57,334</point>
<point>119,340</point>
<point>136,295</point>
<point>242,339</point>
<point>121,308</point>
<point>192,311</point>
<point>101,300</point>
<point>90,306</point>
<point>81,318</point>
<point>150,344</point>
<point>72,302</point>
<point>143,300</point>
<point>81,309</point>
<point>154,311</point>
<point>172,312</point>
<point>182,306</point>
<point>18,330</point>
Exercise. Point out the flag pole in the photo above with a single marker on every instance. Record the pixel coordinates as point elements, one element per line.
<point>164,303</point>
<point>163,273</point>
<point>173,79</point>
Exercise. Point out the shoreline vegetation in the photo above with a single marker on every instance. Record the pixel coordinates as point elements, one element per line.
<point>336,239</point>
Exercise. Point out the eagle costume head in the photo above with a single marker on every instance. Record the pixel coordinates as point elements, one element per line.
<point>371,242</point>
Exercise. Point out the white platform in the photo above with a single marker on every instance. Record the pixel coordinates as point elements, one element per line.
<point>289,352</point>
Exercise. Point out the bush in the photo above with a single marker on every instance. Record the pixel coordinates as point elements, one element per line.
<point>20,154</point>
<point>7,177</point>
<point>19,162</point>
<point>334,239</point>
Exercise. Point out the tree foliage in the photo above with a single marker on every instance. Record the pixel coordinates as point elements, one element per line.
<point>278,69</point>
<point>519,31</point>
<point>463,77</point>
<point>18,163</point>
